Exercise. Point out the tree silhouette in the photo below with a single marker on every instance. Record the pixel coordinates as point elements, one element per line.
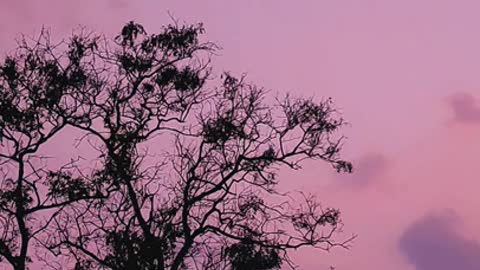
<point>205,197</point>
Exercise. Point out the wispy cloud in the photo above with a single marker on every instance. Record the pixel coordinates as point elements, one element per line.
<point>465,108</point>
<point>368,169</point>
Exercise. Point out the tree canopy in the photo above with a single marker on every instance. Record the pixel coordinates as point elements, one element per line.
<point>186,163</point>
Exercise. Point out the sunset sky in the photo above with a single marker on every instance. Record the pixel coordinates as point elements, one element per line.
<point>405,75</point>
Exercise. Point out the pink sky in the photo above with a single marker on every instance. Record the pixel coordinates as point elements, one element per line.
<point>404,73</point>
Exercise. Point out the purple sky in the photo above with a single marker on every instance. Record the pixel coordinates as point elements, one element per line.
<point>405,75</point>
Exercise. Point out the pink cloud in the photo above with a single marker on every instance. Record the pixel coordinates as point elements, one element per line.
<point>369,169</point>
<point>465,107</point>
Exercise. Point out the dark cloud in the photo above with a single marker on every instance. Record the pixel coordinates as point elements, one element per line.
<point>433,243</point>
<point>367,170</point>
<point>466,109</point>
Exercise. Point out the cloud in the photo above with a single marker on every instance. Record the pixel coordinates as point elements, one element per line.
<point>118,4</point>
<point>466,109</point>
<point>432,243</point>
<point>367,170</point>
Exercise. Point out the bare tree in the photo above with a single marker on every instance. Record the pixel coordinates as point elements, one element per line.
<point>186,169</point>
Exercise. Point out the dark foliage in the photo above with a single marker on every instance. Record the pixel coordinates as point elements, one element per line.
<point>206,199</point>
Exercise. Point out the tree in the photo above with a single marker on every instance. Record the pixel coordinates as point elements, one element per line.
<point>207,200</point>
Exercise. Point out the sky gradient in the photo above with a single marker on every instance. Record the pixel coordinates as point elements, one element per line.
<point>405,76</point>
